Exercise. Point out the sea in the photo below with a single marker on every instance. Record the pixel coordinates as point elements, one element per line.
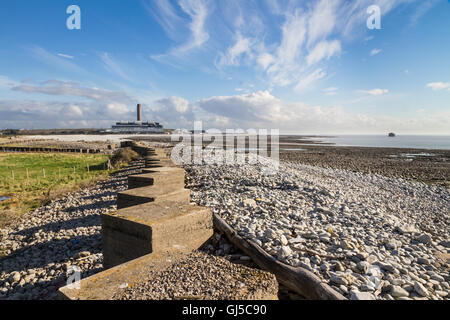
<point>400,141</point>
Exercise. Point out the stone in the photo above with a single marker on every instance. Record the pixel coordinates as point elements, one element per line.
<point>363,266</point>
<point>283,240</point>
<point>296,240</point>
<point>339,267</point>
<point>82,254</point>
<point>445,244</point>
<point>437,277</point>
<point>421,260</point>
<point>372,259</point>
<point>424,238</point>
<point>441,293</point>
<point>420,289</point>
<point>284,252</point>
<point>338,280</point>
<point>362,296</point>
<point>270,234</point>
<point>15,277</point>
<point>398,292</point>
<point>250,203</point>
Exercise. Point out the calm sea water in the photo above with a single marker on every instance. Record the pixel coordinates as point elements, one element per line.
<point>407,141</point>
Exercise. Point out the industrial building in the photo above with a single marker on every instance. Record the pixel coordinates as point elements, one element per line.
<point>138,126</point>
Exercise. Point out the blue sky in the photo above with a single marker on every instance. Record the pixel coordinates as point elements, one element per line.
<point>300,66</point>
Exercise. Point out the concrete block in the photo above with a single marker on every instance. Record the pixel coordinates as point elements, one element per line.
<point>167,176</point>
<point>108,284</point>
<point>154,193</point>
<point>154,227</point>
<point>161,163</point>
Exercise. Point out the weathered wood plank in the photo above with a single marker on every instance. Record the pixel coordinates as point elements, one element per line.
<point>300,280</point>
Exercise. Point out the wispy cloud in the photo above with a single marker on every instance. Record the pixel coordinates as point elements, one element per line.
<point>55,60</point>
<point>62,88</point>
<point>113,66</point>
<point>172,23</point>
<point>166,15</point>
<point>375,52</point>
<point>421,10</point>
<point>330,91</point>
<point>65,56</point>
<point>241,47</point>
<point>436,86</point>
<point>375,92</point>
<point>311,34</point>
<point>6,82</point>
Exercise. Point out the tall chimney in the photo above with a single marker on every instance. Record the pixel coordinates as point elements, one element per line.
<point>139,112</point>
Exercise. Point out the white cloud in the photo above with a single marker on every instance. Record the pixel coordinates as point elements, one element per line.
<point>323,20</point>
<point>324,49</point>
<point>436,86</point>
<point>65,56</point>
<point>241,47</point>
<point>198,12</point>
<point>175,103</point>
<point>53,60</point>
<point>237,32</point>
<point>330,91</point>
<point>308,80</point>
<point>6,82</point>
<point>61,88</point>
<point>263,110</point>
<point>113,66</point>
<point>166,16</point>
<point>421,10</point>
<point>375,52</point>
<point>374,92</point>
<point>174,112</point>
<point>265,60</point>
<point>255,110</point>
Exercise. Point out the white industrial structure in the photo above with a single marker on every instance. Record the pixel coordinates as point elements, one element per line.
<point>138,126</point>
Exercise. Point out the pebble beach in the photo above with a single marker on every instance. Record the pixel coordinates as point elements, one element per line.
<point>368,236</point>
<point>46,242</point>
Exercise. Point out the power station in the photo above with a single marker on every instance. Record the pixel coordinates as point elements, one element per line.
<point>138,126</point>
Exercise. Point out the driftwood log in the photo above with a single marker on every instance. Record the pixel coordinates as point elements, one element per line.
<point>300,280</point>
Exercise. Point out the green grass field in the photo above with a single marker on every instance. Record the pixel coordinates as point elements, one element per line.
<point>49,176</point>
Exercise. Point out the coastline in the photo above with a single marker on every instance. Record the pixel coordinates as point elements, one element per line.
<point>368,236</point>
<point>423,165</point>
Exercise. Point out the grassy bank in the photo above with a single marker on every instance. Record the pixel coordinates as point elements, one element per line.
<point>30,180</point>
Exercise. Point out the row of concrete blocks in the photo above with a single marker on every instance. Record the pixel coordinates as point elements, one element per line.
<point>37,149</point>
<point>155,225</point>
<point>154,214</point>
